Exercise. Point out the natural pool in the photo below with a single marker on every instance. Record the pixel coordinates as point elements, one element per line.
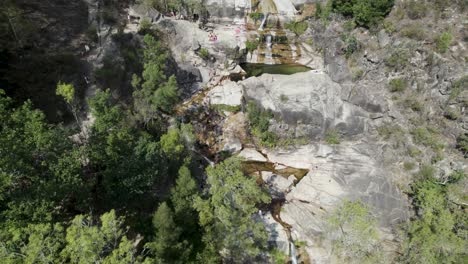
<point>257,69</point>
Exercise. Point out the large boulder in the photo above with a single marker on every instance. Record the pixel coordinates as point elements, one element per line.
<point>310,103</point>
<point>347,171</point>
<point>229,93</point>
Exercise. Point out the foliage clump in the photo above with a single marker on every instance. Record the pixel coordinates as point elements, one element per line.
<point>443,41</point>
<point>438,233</point>
<point>462,144</point>
<point>227,214</point>
<point>354,235</point>
<point>204,53</point>
<point>416,9</point>
<point>332,137</point>
<point>398,85</point>
<point>366,13</point>
<point>260,123</point>
<point>298,28</point>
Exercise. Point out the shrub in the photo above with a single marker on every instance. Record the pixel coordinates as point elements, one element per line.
<point>278,256</point>
<point>452,114</point>
<point>427,137</point>
<point>145,26</point>
<point>260,123</point>
<point>388,130</point>
<point>408,165</point>
<point>251,45</point>
<point>414,31</point>
<point>413,103</point>
<point>204,53</point>
<point>284,98</point>
<point>462,144</point>
<point>413,151</point>
<point>256,16</point>
<point>443,42</point>
<point>398,85</point>
<point>416,9</point>
<point>227,108</point>
<point>366,13</point>
<point>389,26</point>
<point>398,59</point>
<point>332,137</point>
<point>298,28</point>
<point>457,88</point>
<point>352,45</point>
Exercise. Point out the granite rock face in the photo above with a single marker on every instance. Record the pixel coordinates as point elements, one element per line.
<point>229,93</point>
<point>348,171</point>
<point>309,104</point>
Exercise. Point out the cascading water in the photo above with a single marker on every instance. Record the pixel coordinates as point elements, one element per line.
<point>293,252</point>
<point>268,52</point>
<point>268,41</point>
<point>262,25</point>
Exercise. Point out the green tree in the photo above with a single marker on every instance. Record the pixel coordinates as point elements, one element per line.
<point>39,168</point>
<point>167,245</point>
<point>438,233</point>
<point>227,214</point>
<point>104,242</point>
<point>127,163</point>
<point>354,235</point>
<point>154,92</point>
<point>366,13</point>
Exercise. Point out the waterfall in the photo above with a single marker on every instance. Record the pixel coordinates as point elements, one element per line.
<point>293,252</point>
<point>263,22</point>
<point>268,41</point>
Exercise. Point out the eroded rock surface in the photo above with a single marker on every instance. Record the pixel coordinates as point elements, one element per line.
<point>348,171</point>
<point>309,104</point>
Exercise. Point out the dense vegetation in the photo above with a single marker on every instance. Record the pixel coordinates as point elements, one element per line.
<point>438,234</point>
<point>364,12</point>
<point>259,119</point>
<point>120,190</point>
<point>128,189</point>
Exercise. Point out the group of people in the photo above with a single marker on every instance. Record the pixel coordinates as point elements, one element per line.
<point>212,36</point>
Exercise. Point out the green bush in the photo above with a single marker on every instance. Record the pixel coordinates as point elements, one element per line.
<point>413,103</point>
<point>332,137</point>
<point>251,45</point>
<point>298,28</point>
<point>413,151</point>
<point>443,41</point>
<point>227,108</point>
<point>259,119</point>
<point>416,9</point>
<point>204,53</point>
<point>366,13</point>
<point>426,137</point>
<point>452,114</point>
<point>256,16</point>
<point>284,98</point>
<point>457,87</point>
<point>462,144</point>
<point>145,26</point>
<point>408,165</point>
<point>389,26</point>
<point>352,45</point>
<point>414,31</point>
<point>397,85</point>
<point>398,59</point>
